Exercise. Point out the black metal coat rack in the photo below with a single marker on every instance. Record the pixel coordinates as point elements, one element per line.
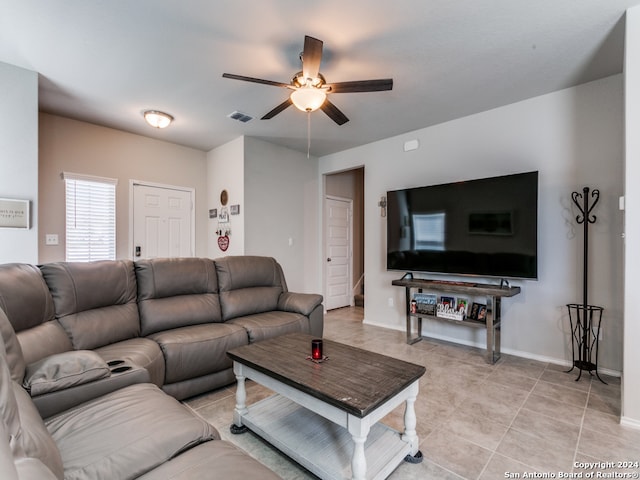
<point>584,317</point>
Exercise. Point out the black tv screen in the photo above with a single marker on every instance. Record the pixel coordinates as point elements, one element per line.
<point>484,227</point>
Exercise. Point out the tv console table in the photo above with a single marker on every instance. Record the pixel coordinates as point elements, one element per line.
<point>493,295</point>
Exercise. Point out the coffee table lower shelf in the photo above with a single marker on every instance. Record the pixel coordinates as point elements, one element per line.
<point>319,445</point>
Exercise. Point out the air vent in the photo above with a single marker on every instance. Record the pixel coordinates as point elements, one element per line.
<point>241,117</point>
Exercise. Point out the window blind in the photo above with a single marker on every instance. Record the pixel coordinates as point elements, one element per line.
<point>90,218</point>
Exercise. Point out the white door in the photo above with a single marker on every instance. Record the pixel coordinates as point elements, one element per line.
<point>162,222</point>
<point>338,249</point>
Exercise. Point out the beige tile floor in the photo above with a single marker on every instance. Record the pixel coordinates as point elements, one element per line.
<point>475,421</point>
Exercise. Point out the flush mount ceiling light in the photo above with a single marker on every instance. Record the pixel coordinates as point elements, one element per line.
<point>157,119</point>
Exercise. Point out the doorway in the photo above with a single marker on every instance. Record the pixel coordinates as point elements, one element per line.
<point>345,186</point>
<point>162,221</point>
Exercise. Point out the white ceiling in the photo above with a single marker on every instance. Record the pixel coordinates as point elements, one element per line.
<point>104,61</point>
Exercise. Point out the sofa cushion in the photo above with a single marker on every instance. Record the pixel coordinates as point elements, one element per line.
<point>195,386</point>
<point>7,467</point>
<point>142,352</point>
<point>64,370</point>
<point>25,298</point>
<point>95,302</point>
<point>126,433</point>
<point>176,292</point>
<point>211,461</point>
<point>248,301</point>
<point>248,285</point>
<point>271,324</point>
<point>46,339</point>
<point>33,439</point>
<point>11,349</point>
<point>246,271</point>
<point>198,350</point>
<point>9,413</point>
<point>31,469</point>
<point>168,277</point>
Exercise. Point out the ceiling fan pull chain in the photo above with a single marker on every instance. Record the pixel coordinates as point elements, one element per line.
<point>308,133</point>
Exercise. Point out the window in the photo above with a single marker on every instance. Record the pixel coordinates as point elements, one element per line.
<point>429,231</point>
<point>90,218</point>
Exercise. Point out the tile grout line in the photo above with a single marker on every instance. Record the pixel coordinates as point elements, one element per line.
<point>510,426</point>
<point>584,414</point>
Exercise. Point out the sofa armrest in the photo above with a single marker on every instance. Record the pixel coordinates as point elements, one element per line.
<point>122,374</point>
<point>303,303</point>
<point>64,370</point>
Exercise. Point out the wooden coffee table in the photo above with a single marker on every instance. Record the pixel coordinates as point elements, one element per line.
<point>325,416</point>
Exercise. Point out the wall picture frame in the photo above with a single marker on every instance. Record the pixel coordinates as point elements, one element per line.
<point>15,213</point>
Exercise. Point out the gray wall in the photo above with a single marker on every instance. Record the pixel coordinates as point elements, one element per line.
<point>281,191</point>
<point>574,138</point>
<point>631,378</point>
<point>19,158</point>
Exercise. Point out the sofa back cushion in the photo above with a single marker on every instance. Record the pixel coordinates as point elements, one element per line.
<point>95,302</point>
<point>248,285</point>
<point>176,292</point>
<point>11,348</point>
<point>27,302</point>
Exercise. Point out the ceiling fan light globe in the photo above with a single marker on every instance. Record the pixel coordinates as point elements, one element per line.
<point>308,99</point>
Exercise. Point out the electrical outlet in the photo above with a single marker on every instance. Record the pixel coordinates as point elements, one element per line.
<point>51,239</point>
<point>390,301</point>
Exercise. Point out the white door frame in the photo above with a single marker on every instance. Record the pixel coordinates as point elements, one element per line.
<point>191,191</point>
<point>325,247</point>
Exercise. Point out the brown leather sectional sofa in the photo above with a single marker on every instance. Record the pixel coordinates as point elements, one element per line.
<point>98,355</point>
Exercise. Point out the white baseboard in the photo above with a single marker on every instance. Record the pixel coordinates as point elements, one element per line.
<point>630,422</point>
<point>508,351</point>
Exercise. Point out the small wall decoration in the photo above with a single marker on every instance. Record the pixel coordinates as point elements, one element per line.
<point>224,215</point>
<point>224,197</point>
<point>223,242</point>
<point>14,213</point>
<point>234,209</point>
<point>213,213</point>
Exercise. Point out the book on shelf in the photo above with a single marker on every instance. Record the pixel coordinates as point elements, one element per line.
<point>450,301</point>
<point>462,304</point>
<point>425,303</point>
<point>478,312</point>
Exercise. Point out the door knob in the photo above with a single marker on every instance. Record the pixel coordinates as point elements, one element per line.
<point>328,259</point>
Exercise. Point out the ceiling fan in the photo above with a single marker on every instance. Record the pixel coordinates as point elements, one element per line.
<point>310,89</point>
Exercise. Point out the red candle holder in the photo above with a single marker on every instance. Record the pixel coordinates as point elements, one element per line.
<point>316,349</point>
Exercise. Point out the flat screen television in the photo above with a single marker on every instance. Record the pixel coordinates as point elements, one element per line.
<point>485,227</point>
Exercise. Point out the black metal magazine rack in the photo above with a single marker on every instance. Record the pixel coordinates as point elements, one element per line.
<point>585,319</point>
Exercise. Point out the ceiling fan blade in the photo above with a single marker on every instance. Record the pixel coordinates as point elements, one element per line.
<point>255,80</point>
<point>334,113</point>
<point>278,109</point>
<point>362,86</point>
<point>311,57</point>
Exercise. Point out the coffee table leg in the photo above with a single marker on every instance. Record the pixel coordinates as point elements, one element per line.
<point>410,422</point>
<point>359,430</point>
<point>241,401</point>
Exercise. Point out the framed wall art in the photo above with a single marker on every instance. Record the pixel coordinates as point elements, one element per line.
<point>14,213</point>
